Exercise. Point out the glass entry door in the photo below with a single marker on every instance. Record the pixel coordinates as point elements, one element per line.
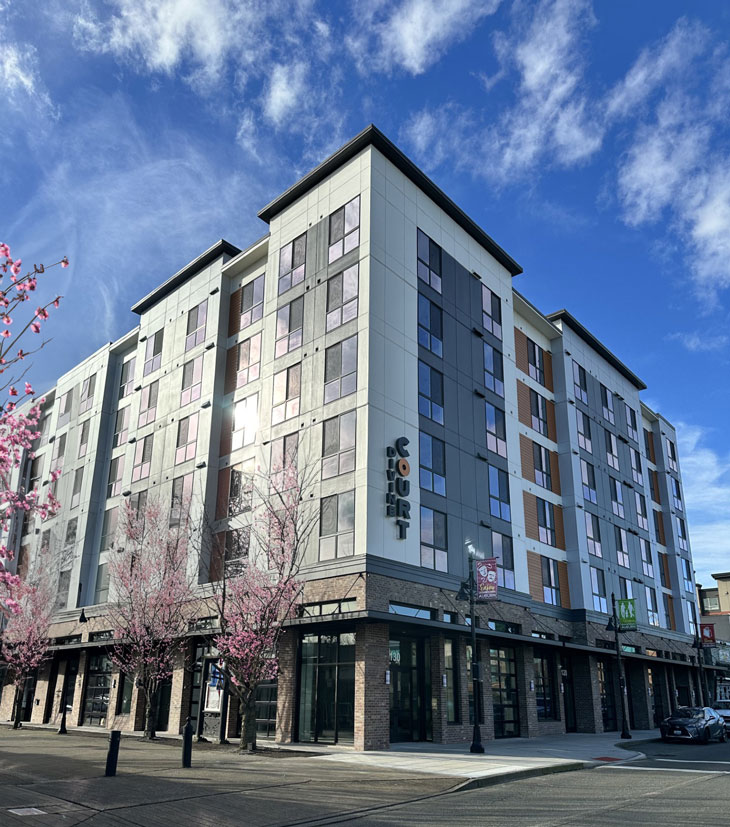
<point>505,700</point>
<point>410,690</point>
<point>98,687</point>
<point>608,701</point>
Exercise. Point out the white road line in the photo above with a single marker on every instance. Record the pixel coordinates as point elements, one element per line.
<point>683,761</point>
<point>664,769</point>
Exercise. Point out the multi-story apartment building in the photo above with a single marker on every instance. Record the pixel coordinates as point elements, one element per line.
<point>374,323</point>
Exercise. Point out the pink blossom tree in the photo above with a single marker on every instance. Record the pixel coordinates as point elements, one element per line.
<point>151,587</point>
<point>255,593</point>
<point>18,430</point>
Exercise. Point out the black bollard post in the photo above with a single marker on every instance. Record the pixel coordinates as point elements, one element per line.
<point>111,757</point>
<point>187,751</point>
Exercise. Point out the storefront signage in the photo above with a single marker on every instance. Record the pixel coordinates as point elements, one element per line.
<point>487,579</point>
<point>399,486</point>
<point>707,632</point>
<point>626,608</point>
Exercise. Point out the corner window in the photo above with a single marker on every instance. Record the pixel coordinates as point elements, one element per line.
<point>292,258</point>
<point>287,391</point>
<point>491,312</point>
<point>636,472</point>
<point>622,547</point>
<point>78,482</point>
<point>337,526</point>
<point>651,606</point>
<point>187,438</point>
<point>580,383</point>
<point>429,261</point>
<point>687,575</point>
<point>126,381</point>
<point>245,421</point>
<point>84,438</point>
<point>109,528</point>
<point>538,412</point>
<point>496,430</point>
<point>642,515</point>
<point>493,370</point>
<point>121,427</point>
<point>598,586</point>
<point>626,588</point>
<point>593,534</point>
<point>676,493</point>
<point>632,428</point>
<point>289,324</point>
<point>192,380</point>
<point>646,561</point>
<point>432,459</point>
<point>116,471</point>
<point>546,521</point>
<point>64,408</point>
<point>153,353</point>
<point>681,534</point>
<point>499,502</point>
<point>148,404</point>
<point>344,230</point>
<point>340,369</point>
<point>430,326</point>
<point>430,393</point>
<point>550,581</point>
<point>87,394</point>
<point>671,456</point>
<point>142,458</point>
<point>342,293</point>
<point>584,431</point>
<point>536,361</point>
<point>617,498</point>
<point>195,331</point>
<point>541,463</point>
<point>607,404</point>
<point>252,302</point>
<point>101,590</point>
<point>502,551</point>
<point>338,445</point>
<point>433,540</point>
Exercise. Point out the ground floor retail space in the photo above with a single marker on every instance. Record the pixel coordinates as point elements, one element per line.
<point>371,684</point>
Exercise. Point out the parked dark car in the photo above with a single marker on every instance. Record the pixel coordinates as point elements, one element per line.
<point>723,710</point>
<point>693,723</point>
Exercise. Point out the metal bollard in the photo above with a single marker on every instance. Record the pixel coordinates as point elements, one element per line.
<point>111,757</point>
<point>187,750</point>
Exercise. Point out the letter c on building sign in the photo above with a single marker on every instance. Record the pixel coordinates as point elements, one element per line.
<point>400,446</point>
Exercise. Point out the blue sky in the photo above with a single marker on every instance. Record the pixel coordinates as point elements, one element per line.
<point>590,140</point>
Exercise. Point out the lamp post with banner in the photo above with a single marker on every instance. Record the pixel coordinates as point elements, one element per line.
<point>627,615</point>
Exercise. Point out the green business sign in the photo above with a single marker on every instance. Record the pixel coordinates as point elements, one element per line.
<point>626,610</point>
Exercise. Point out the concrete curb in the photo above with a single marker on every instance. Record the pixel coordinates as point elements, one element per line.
<point>516,775</point>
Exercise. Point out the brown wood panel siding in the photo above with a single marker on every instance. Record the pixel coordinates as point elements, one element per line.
<point>229,383</point>
<point>234,313</point>
<point>670,619</point>
<point>649,440</point>
<point>555,472</point>
<point>549,371</point>
<point>559,527</point>
<point>654,486</point>
<point>521,351</point>
<point>528,459</point>
<point>217,554</point>
<point>564,585</point>
<point>552,430</point>
<point>529,502</point>
<point>226,431</point>
<point>224,484</point>
<point>523,404</point>
<point>534,575</point>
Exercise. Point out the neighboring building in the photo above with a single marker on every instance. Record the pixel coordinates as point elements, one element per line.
<point>715,610</point>
<point>376,310</point>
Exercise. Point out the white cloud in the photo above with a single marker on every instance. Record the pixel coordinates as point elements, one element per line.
<point>701,342</point>
<point>287,86</point>
<point>414,34</point>
<point>20,81</point>
<point>706,483</point>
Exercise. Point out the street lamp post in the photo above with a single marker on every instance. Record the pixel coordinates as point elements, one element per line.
<point>64,691</point>
<point>613,626</point>
<point>704,695</point>
<point>468,591</point>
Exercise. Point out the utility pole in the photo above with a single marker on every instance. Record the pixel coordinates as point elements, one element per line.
<point>613,625</point>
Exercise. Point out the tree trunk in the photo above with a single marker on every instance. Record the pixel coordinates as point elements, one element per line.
<point>150,713</point>
<point>18,706</point>
<point>247,707</point>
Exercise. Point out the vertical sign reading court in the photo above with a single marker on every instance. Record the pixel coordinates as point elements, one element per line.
<point>399,486</point>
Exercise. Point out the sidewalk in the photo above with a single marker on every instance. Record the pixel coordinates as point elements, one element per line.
<point>503,760</point>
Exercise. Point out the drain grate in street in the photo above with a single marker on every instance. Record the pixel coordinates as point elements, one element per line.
<point>28,811</point>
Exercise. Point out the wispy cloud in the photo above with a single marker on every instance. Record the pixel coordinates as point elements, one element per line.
<point>701,342</point>
<point>21,85</point>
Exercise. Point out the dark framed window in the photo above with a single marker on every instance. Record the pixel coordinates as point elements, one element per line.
<point>182,493</point>
<point>672,456</point>
<point>622,547</point>
<point>502,551</point>
<point>126,381</point>
<point>580,383</point>
<point>545,694</point>
<point>632,427</point>
<point>681,534</point>
<point>636,470</point>
<point>429,261</point>
<point>642,514</point>
<point>87,394</point>
<point>252,302</point>
<point>153,352</point>
<point>588,478</point>
<point>240,492</point>
<point>340,369</point>
<point>451,670</point>
<point>546,521</point>
<point>192,381</point>
<point>541,462</point>
<point>499,501</point>
<point>617,497</point>
<point>287,393</point>
<point>598,586</point>
<point>109,528</point>
<point>496,429</point>
<point>289,325</point>
<point>245,421</point>
<point>536,361</point>
<point>434,553</point>
<point>292,260</point>
<point>626,588</point>
<point>430,326</point>
<point>142,458</point>
<point>432,462</point>
<point>611,450</point>
<point>238,544</point>
<point>584,431</point>
<point>283,463</point>
<point>121,427</point>
<point>593,534</point>
<point>249,361</point>
<point>116,471</point>
<point>538,412</point>
<point>687,575</point>
<point>148,404</point>
<point>187,438</point>
<point>430,393</point>
<point>342,297</point>
<point>550,581</point>
<point>493,370</point>
<point>607,404</point>
<point>491,312</point>
<point>337,526</point>
<point>338,444</point>
<point>646,562</point>
<point>651,606</point>
<point>344,230</point>
<point>124,694</point>
<point>195,332</point>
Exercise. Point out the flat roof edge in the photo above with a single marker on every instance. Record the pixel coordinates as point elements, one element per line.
<point>372,136</point>
<point>221,247</point>
<point>590,339</point>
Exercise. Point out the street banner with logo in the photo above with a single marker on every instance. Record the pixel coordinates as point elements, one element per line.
<point>626,610</point>
<point>707,632</point>
<point>487,579</point>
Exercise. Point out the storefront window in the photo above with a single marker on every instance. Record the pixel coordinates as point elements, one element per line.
<point>327,688</point>
<point>451,672</point>
<point>547,707</point>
